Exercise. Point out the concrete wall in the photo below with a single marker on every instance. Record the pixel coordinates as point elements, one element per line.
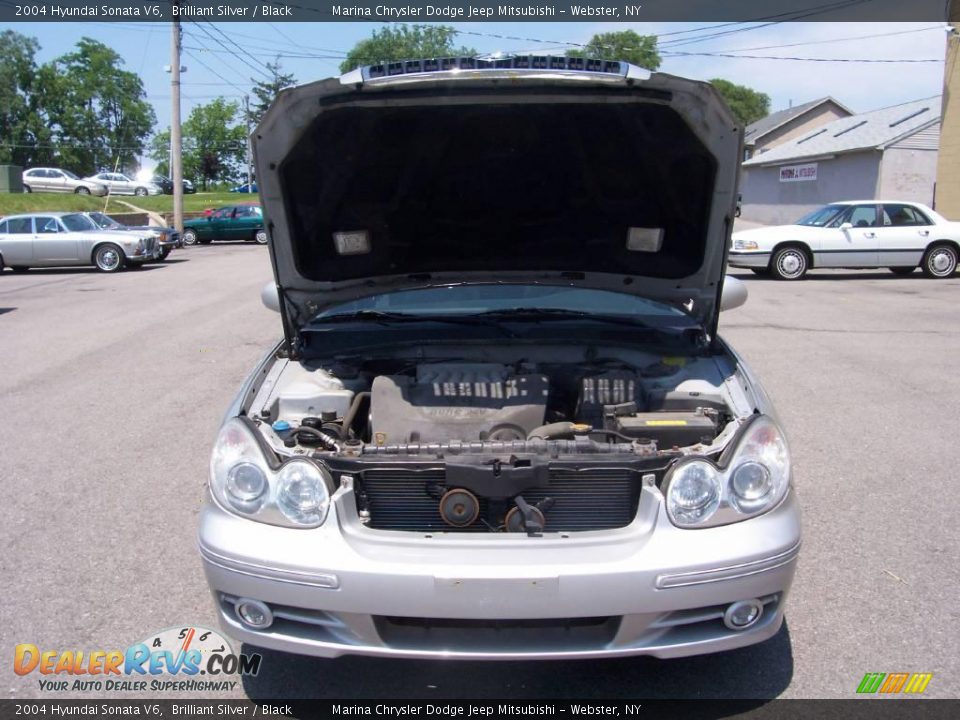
<point>798,126</point>
<point>908,174</point>
<point>766,200</point>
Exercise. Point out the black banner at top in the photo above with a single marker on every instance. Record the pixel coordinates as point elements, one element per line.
<point>422,11</point>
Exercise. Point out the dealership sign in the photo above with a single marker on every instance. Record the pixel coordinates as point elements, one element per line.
<point>798,173</point>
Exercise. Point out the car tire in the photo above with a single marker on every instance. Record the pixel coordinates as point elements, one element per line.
<point>902,271</point>
<point>26,189</point>
<point>140,192</point>
<point>82,191</point>
<point>108,258</point>
<point>940,261</point>
<point>163,254</point>
<point>789,263</point>
<point>189,237</point>
<point>260,237</point>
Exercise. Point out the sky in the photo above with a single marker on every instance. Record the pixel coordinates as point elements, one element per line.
<point>216,68</point>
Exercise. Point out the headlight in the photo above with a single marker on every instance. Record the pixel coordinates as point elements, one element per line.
<point>296,494</point>
<point>752,478</point>
<point>745,245</point>
<point>302,494</point>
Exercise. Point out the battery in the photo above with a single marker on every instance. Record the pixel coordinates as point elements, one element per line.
<point>668,429</point>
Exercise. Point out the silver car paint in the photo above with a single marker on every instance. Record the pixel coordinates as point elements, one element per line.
<point>65,247</point>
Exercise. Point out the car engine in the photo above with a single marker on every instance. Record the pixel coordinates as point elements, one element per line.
<point>477,445</point>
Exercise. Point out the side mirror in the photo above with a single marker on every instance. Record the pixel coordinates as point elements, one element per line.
<point>734,293</point>
<point>270,297</point>
<point>846,226</point>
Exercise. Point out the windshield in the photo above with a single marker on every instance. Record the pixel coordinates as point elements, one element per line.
<point>821,216</point>
<point>78,223</point>
<point>104,221</point>
<point>476,299</point>
<point>70,175</point>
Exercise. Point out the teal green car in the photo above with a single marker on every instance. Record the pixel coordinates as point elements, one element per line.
<point>233,222</point>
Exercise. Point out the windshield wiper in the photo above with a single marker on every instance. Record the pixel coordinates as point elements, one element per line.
<point>389,318</point>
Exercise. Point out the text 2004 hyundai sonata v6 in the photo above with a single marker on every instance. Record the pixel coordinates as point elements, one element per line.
<point>501,423</point>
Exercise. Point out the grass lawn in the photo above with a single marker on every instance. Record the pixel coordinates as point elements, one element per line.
<point>12,203</point>
<point>192,203</point>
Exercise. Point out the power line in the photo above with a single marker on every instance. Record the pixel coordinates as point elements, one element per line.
<point>229,51</point>
<point>833,40</point>
<point>804,59</point>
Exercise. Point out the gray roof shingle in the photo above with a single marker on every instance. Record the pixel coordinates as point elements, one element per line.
<point>858,132</point>
<point>761,127</point>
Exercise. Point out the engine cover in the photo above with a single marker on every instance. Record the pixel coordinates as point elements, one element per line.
<point>457,401</point>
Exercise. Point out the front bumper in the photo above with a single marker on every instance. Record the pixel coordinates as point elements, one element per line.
<point>646,589</point>
<point>749,258</point>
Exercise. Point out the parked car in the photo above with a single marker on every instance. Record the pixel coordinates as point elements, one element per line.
<point>167,238</point>
<point>501,423</point>
<point>120,184</point>
<point>166,185</point>
<point>853,234</point>
<point>53,239</point>
<point>245,188</point>
<point>59,180</point>
<point>233,222</point>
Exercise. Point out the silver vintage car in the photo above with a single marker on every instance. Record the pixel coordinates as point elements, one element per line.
<point>54,239</point>
<point>501,423</point>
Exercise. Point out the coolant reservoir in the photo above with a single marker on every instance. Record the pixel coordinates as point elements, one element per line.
<point>310,393</point>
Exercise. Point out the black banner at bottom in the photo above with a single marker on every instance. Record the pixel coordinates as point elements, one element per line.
<point>854,709</point>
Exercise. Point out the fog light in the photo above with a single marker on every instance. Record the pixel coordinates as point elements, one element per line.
<point>743,614</point>
<point>253,613</point>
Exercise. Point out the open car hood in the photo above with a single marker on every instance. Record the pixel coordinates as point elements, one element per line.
<point>558,171</point>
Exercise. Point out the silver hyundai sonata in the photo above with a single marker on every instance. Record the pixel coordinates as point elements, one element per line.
<point>501,423</point>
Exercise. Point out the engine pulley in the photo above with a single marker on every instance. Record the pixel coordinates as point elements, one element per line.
<point>459,507</point>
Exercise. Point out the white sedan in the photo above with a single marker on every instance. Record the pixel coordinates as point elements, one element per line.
<point>853,234</point>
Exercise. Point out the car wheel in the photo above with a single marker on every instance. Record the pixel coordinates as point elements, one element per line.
<point>189,237</point>
<point>940,261</point>
<point>163,254</point>
<point>108,258</point>
<point>82,191</point>
<point>140,192</point>
<point>789,263</point>
<point>760,271</point>
<point>903,271</point>
<point>26,189</point>
<point>260,237</point>
<point>19,268</point>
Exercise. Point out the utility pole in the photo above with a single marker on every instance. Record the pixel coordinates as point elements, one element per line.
<point>176,141</point>
<point>246,116</point>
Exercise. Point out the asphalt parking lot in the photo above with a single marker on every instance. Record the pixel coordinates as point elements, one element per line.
<point>113,386</point>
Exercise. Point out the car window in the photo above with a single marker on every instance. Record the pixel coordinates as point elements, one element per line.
<point>19,226</point>
<point>78,223</point>
<point>46,225</point>
<point>248,211</point>
<point>54,174</point>
<point>901,215</point>
<point>221,213</point>
<point>34,173</point>
<point>858,216</point>
<point>70,175</point>
<point>821,216</point>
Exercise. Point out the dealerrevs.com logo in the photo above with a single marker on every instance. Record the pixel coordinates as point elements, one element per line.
<point>170,660</point>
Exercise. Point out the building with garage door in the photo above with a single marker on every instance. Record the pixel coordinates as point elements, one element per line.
<point>890,153</point>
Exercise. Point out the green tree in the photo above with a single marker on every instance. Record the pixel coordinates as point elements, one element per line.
<point>747,104</point>
<point>24,133</point>
<point>625,45</point>
<point>405,42</point>
<point>266,90</point>
<point>101,112</point>
<point>214,144</point>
